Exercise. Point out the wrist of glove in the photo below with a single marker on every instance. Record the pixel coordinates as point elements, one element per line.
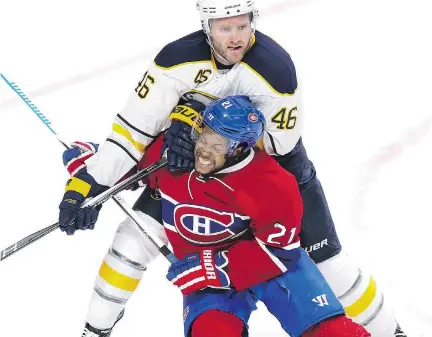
<point>177,139</point>
<point>198,271</point>
<point>74,158</point>
<point>78,189</point>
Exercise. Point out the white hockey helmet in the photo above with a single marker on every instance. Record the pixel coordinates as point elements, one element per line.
<point>214,9</point>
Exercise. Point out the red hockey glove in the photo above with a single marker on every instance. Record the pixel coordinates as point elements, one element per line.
<point>198,271</point>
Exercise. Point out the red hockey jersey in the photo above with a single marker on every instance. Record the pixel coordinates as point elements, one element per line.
<point>252,210</point>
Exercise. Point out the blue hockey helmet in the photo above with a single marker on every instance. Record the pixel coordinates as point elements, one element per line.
<point>235,118</point>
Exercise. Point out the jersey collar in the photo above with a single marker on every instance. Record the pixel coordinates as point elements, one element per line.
<point>239,165</point>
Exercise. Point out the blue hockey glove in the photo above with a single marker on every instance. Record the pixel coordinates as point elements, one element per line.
<point>79,187</point>
<point>74,161</point>
<point>177,139</point>
<point>180,154</point>
<point>198,271</point>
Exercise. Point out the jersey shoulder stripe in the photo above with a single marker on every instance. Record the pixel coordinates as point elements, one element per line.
<point>272,63</point>
<point>192,48</point>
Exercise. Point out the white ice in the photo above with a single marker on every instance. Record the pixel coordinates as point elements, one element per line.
<point>365,72</point>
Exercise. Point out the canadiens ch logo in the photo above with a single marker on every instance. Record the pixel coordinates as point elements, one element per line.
<point>203,225</point>
<point>253,117</point>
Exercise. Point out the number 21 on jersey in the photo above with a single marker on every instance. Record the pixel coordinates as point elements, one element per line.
<point>281,230</point>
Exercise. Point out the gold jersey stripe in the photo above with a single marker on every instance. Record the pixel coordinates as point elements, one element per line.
<point>252,42</point>
<point>260,143</point>
<point>206,94</point>
<point>363,302</point>
<point>117,279</point>
<point>78,185</point>
<point>213,62</point>
<point>125,133</point>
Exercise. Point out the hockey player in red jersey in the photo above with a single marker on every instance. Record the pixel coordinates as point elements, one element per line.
<point>234,224</point>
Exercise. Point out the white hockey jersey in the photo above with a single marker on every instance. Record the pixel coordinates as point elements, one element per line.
<point>185,69</point>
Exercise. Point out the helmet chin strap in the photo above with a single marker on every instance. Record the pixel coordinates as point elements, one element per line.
<point>219,56</point>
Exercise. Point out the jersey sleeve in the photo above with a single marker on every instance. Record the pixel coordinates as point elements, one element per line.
<point>282,110</point>
<point>283,123</point>
<point>270,81</point>
<point>274,204</point>
<point>137,125</point>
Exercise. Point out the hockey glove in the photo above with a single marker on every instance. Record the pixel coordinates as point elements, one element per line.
<point>198,271</point>
<point>75,157</point>
<point>177,139</point>
<point>78,188</point>
<point>74,160</point>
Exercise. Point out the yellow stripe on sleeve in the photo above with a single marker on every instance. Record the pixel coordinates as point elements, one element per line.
<point>117,279</point>
<point>125,133</point>
<point>363,302</point>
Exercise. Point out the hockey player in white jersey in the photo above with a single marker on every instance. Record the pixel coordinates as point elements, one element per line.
<point>227,57</point>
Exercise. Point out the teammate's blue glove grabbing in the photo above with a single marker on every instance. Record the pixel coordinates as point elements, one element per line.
<point>177,139</point>
<point>199,271</point>
<point>79,187</point>
<point>180,154</point>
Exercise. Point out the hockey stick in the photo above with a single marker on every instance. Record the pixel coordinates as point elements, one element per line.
<point>96,201</point>
<point>120,202</point>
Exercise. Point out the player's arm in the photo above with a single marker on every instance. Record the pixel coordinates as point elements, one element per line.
<point>137,125</point>
<point>134,128</point>
<point>283,123</point>
<point>276,209</point>
<point>275,92</point>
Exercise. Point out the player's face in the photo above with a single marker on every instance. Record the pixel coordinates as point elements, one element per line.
<point>231,36</point>
<point>210,151</point>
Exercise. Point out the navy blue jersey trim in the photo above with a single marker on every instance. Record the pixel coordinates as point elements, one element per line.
<point>190,48</point>
<point>272,63</point>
